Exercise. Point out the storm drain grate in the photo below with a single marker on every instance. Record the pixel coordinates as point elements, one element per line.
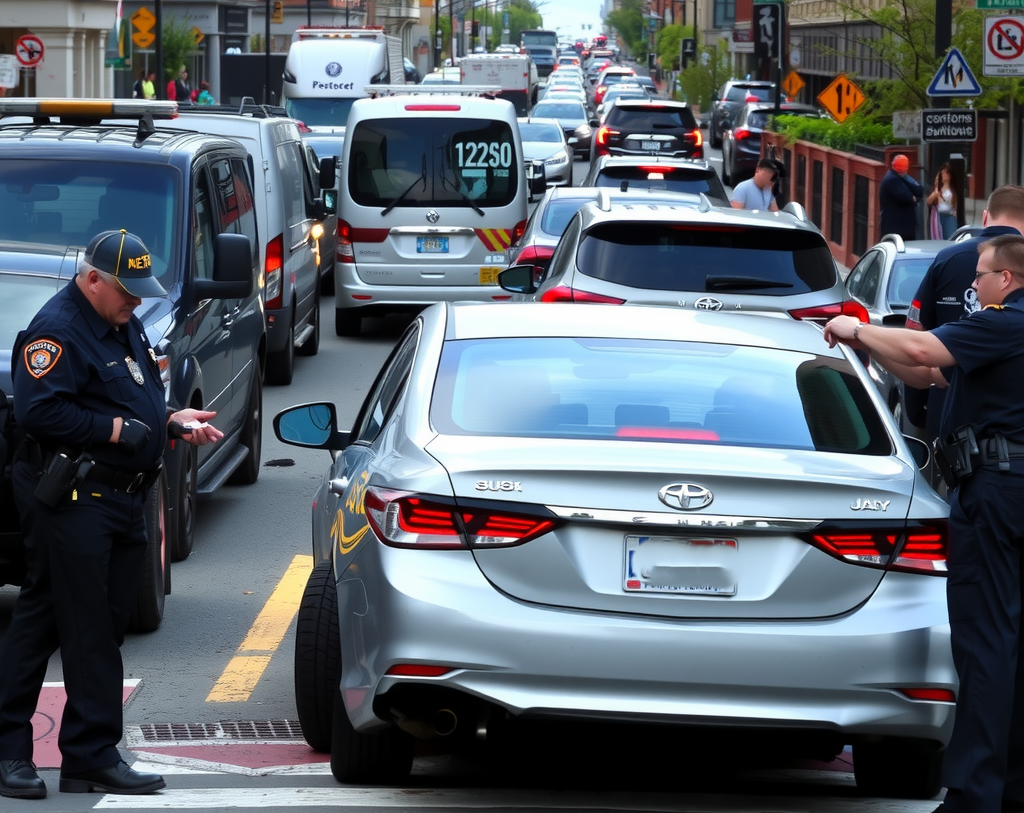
<point>224,730</point>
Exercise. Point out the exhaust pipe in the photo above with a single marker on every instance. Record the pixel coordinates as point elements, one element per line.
<point>445,722</point>
<point>442,723</point>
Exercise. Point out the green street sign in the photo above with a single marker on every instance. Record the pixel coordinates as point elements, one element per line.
<point>996,4</point>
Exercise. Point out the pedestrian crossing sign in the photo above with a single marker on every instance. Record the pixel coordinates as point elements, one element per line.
<point>954,77</point>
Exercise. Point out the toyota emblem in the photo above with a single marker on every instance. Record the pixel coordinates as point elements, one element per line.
<point>685,496</point>
<point>708,303</point>
<point>433,216</point>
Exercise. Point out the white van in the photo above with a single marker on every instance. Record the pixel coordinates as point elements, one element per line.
<point>289,211</point>
<point>434,191</point>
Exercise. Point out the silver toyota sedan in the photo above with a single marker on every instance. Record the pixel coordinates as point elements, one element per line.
<point>575,513</point>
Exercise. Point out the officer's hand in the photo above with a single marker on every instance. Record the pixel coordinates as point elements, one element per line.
<point>134,435</point>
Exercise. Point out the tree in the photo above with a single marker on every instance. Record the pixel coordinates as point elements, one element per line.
<point>628,20</point>
<point>179,43</point>
<point>698,83</point>
<point>522,16</point>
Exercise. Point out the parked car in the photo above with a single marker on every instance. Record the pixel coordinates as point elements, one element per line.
<point>881,287</point>
<point>689,175</point>
<point>544,140</point>
<point>730,99</point>
<point>741,143</point>
<point>545,511</point>
<point>189,197</point>
<point>709,258</point>
<point>652,127</point>
<point>290,211</point>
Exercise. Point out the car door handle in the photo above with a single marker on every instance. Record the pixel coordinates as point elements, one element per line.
<point>228,319</point>
<point>338,485</point>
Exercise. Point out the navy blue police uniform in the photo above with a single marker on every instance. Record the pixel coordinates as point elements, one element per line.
<point>983,767</point>
<point>73,374</point>
<point>946,293</point>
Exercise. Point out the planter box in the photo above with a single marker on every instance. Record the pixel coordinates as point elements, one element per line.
<point>838,189</point>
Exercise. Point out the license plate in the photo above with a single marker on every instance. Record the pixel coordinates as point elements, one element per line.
<point>489,274</point>
<point>653,146</point>
<point>695,567</point>
<point>431,245</point>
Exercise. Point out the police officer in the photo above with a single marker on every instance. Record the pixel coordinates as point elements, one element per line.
<point>946,292</point>
<point>981,358</point>
<point>88,394</point>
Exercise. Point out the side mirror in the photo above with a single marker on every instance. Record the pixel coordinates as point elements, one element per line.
<point>233,272</point>
<point>519,279</point>
<point>328,173</point>
<point>312,426</point>
<point>536,178</point>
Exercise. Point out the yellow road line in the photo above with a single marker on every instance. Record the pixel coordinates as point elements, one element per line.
<point>239,679</point>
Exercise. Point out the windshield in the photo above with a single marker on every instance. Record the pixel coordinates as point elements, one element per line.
<point>319,112</point>
<point>66,203</point>
<point>628,389</point>
<point>674,257</point>
<point>541,132</point>
<point>662,178</point>
<point>433,162</point>
<point>559,110</point>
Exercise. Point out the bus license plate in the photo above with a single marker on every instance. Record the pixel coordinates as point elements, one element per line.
<point>431,245</point>
<point>489,274</point>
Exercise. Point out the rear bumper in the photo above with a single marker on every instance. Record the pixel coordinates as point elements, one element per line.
<point>350,291</point>
<point>838,675</point>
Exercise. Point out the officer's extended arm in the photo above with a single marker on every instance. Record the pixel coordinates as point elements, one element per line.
<point>913,356</point>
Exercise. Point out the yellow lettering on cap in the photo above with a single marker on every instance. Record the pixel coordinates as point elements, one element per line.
<point>135,263</point>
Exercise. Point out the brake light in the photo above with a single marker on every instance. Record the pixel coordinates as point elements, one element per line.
<point>345,252</point>
<point>518,231</point>
<point>696,137</point>
<point>401,519</point>
<point>917,547</point>
<point>273,267</point>
<point>740,133</point>
<point>444,108</point>
<point>563,293</point>
<point>823,313</point>
<point>603,134</point>
<point>418,670</point>
<point>933,695</point>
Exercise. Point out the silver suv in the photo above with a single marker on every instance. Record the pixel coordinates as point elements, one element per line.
<point>708,258</point>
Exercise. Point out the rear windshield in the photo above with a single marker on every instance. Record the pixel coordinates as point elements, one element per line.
<point>622,389</point>
<point>417,162</point>
<point>558,213</point>
<point>674,257</point>
<point>663,178</point>
<point>559,110</point>
<point>653,117</point>
<point>66,203</point>
<point>904,281</point>
<point>319,112</point>
<point>737,93</point>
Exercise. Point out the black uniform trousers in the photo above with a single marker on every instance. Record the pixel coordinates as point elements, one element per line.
<point>984,762</point>
<point>84,562</point>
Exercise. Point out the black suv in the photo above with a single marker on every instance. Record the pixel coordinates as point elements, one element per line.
<point>66,175</point>
<point>656,127</point>
<point>726,104</point>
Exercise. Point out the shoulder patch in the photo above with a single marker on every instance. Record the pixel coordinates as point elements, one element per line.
<point>41,356</point>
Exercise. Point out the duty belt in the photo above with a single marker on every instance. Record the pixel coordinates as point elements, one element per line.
<point>122,480</point>
<point>997,450</point>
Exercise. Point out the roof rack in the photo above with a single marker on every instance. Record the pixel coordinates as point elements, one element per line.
<point>424,90</point>
<point>247,107</point>
<point>86,112</point>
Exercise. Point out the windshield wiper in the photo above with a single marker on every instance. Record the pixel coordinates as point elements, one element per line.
<point>719,283</point>
<point>423,178</point>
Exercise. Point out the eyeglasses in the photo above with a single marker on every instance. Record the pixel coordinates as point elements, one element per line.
<point>979,274</point>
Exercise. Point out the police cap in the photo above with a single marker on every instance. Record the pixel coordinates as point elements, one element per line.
<point>125,257</point>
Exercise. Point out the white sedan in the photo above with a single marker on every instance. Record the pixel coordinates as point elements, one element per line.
<point>544,140</point>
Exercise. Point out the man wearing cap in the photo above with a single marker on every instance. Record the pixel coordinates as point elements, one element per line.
<point>86,387</point>
<point>898,195</point>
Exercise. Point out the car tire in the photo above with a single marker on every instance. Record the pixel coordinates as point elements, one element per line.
<point>347,322</point>
<point>156,572</point>
<point>902,769</point>
<point>281,365</point>
<point>252,437</point>
<point>185,510</point>
<point>311,346</point>
<point>383,757</point>
<point>317,657</point>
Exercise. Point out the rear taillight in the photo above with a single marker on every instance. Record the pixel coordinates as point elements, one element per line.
<point>739,133</point>
<point>917,547</point>
<point>273,267</point>
<point>603,134</point>
<point>695,137</point>
<point>345,252</point>
<point>401,519</point>
<point>537,256</point>
<point>518,231</point>
<point>563,293</point>
<point>822,313</point>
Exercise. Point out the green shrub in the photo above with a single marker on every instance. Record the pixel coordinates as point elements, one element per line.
<point>829,133</point>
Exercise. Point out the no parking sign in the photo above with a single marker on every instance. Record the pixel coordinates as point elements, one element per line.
<point>29,50</point>
<point>1004,46</point>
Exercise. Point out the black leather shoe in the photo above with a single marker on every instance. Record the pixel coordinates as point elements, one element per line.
<point>116,778</point>
<point>19,780</point>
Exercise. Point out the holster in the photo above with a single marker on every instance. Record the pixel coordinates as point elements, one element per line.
<point>955,455</point>
<point>62,470</point>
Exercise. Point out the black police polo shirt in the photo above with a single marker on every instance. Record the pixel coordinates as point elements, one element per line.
<point>73,373</point>
<point>986,388</point>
